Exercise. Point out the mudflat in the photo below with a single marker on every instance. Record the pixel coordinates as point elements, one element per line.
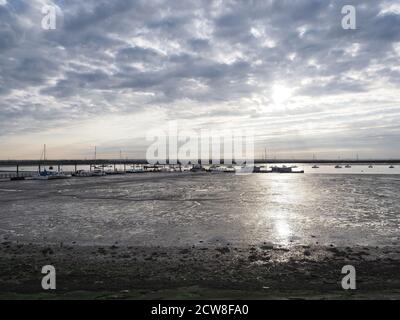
<point>259,272</point>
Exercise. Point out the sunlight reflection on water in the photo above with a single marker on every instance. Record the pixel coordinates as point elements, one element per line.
<point>176,209</point>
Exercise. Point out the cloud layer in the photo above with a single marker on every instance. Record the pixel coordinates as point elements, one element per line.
<point>287,69</point>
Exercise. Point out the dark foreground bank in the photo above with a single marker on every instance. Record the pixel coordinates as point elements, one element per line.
<point>257,272</point>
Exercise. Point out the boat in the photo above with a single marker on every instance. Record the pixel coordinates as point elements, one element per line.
<point>262,169</point>
<point>347,166</point>
<point>219,169</point>
<point>245,169</point>
<point>391,167</point>
<point>50,175</point>
<point>114,172</point>
<point>98,173</point>
<point>135,169</point>
<point>171,169</point>
<point>85,173</point>
<point>17,178</point>
<point>196,168</point>
<point>82,173</point>
<point>338,167</point>
<point>315,166</point>
<point>370,166</point>
<point>285,169</point>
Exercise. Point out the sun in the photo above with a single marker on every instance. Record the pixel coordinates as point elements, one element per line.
<point>280,94</point>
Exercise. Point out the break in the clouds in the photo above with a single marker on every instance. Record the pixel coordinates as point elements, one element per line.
<point>114,69</point>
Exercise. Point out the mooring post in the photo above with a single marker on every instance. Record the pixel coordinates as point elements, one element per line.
<point>17,170</point>
<point>76,168</point>
<point>58,168</point>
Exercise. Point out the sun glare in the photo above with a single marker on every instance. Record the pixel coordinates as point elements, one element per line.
<point>280,94</point>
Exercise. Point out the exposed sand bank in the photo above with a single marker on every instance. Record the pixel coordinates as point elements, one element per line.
<point>198,272</point>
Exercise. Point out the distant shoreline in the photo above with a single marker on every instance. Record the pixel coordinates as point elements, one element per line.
<point>71,162</point>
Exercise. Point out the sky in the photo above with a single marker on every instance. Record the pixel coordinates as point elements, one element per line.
<point>112,71</point>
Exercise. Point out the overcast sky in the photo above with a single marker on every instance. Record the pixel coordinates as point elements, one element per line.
<point>112,70</point>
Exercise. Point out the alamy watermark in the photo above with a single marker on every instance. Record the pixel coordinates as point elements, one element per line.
<point>49,280</point>
<point>49,20</point>
<point>349,280</point>
<point>203,147</point>
<point>349,21</point>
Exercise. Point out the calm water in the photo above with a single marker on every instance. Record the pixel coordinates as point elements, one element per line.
<point>185,209</point>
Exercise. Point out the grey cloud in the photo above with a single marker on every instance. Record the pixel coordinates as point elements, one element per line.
<point>138,54</point>
<point>204,52</point>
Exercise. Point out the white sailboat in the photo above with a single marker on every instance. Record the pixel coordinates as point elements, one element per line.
<point>315,166</point>
<point>135,169</point>
<point>49,174</point>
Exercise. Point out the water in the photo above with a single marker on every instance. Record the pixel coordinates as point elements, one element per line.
<point>175,209</point>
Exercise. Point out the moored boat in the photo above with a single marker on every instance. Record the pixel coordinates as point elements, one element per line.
<point>50,175</point>
<point>221,169</point>
<point>85,173</point>
<point>285,169</point>
<point>135,169</point>
<point>98,173</point>
<point>82,173</point>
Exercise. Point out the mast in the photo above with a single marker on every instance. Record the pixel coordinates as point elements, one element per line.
<point>44,157</point>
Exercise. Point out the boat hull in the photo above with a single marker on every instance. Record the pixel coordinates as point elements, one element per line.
<point>51,177</point>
